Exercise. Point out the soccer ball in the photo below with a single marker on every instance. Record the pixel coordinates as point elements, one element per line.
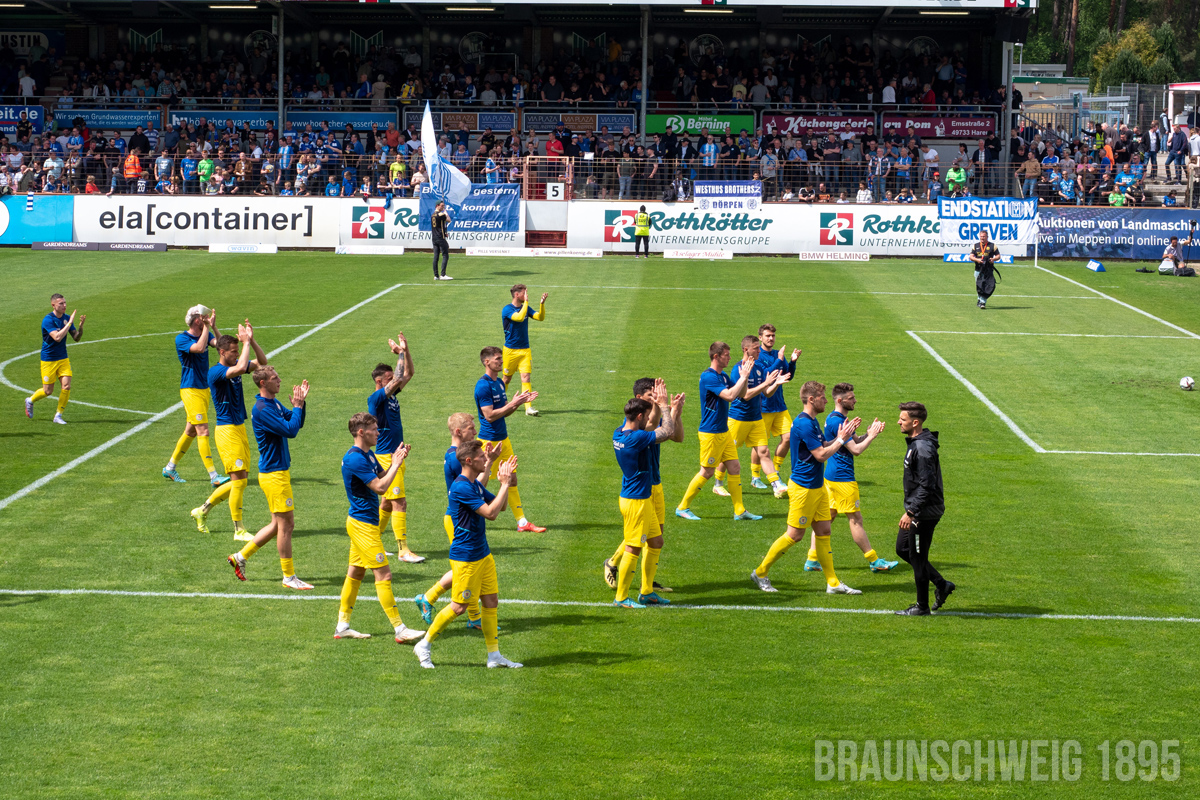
<point>1186,384</point>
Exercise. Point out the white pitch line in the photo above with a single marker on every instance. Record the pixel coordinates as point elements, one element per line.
<point>4,365</point>
<point>1012,426</point>
<point>1114,453</point>
<point>89,455</point>
<point>585,604</point>
<point>772,291</point>
<point>1079,335</point>
<point>1122,303</point>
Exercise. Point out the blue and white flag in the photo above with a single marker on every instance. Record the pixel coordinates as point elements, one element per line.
<point>1008,220</point>
<point>447,180</point>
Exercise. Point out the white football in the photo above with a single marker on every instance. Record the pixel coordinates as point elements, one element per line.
<point>1187,384</point>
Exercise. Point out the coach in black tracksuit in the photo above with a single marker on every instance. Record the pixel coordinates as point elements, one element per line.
<point>924,505</point>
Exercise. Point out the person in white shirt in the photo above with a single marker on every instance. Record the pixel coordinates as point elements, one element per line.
<point>1194,142</point>
<point>864,194</point>
<point>889,92</point>
<point>28,86</point>
<point>929,158</point>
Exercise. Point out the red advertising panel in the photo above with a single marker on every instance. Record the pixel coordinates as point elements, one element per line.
<point>792,124</point>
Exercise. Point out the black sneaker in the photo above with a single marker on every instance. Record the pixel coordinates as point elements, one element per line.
<point>913,611</point>
<point>658,587</point>
<point>939,596</point>
<point>1141,269</point>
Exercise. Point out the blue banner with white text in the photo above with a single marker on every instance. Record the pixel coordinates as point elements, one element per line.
<point>493,207</point>
<point>11,115</point>
<point>1007,220</point>
<point>727,195</point>
<point>1102,232</point>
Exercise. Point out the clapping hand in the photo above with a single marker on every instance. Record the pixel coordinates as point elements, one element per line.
<point>847,428</point>
<point>544,296</point>
<point>507,471</point>
<point>659,394</point>
<point>243,334</point>
<point>401,452</point>
<point>399,344</point>
<point>299,394</point>
<point>677,403</point>
<point>876,427</point>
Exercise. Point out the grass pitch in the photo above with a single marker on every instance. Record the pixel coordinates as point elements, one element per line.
<point>145,696</point>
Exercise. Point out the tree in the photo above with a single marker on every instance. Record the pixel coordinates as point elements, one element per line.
<point>1162,71</point>
<point>1167,44</point>
<point>1126,67</point>
<point>1072,28</point>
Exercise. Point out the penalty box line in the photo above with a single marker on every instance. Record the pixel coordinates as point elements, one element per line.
<point>585,604</point>
<point>89,455</point>
<point>1007,420</point>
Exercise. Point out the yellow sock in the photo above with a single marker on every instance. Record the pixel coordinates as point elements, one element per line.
<point>383,590</point>
<point>181,447</point>
<point>649,568</point>
<point>776,552</point>
<point>40,394</point>
<point>250,549</point>
<point>237,492</point>
<point>777,461</point>
<point>756,470</point>
<point>205,446</point>
<point>870,556</point>
<point>385,517</point>
<point>812,553</point>
<point>720,474</point>
<point>286,565</point>
<point>63,397</point>
<point>525,387</point>
<point>490,628</point>
<point>400,528</point>
<point>825,556</point>
<point>698,481</point>
<point>349,595</point>
<point>473,610</point>
<point>219,494</point>
<point>616,557</point>
<point>515,505</point>
<point>734,485</point>
<point>440,622</point>
<point>434,593</point>
<point>772,476</point>
<point>625,575</point>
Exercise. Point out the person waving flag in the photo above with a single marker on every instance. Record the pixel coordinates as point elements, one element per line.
<point>446,180</point>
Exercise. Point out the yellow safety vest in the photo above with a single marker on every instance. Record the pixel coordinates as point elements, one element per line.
<point>641,224</point>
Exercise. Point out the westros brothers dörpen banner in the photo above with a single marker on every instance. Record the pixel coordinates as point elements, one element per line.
<point>899,230</point>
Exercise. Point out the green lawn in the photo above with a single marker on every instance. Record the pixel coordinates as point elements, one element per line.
<point>138,696</point>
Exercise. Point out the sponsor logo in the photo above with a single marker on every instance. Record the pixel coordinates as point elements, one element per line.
<point>618,225</point>
<point>243,248</point>
<point>835,255</point>
<point>837,228</point>
<point>367,222</point>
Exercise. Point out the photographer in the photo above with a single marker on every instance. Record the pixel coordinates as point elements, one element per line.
<point>984,254</point>
<point>1172,259</point>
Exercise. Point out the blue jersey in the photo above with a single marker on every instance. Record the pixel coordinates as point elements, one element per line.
<point>492,177</point>
<point>273,426</point>
<point>516,334</point>
<point>490,392</point>
<point>750,410</point>
<point>806,437</point>
<point>52,350</point>
<point>386,410</point>
<point>655,450</point>
<point>840,467</point>
<point>195,365</point>
<point>470,529</point>
<point>632,449</point>
<point>1067,187</point>
<point>227,396</point>
<point>452,468</point>
<point>772,360</point>
<point>714,412</point>
<point>359,468</point>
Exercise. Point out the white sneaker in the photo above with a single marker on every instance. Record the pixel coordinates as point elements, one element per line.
<point>447,278</point>
<point>412,558</point>
<point>243,535</point>
<point>344,631</point>
<point>293,582</point>
<point>780,489</point>
<point>719,489</point>
<point>762,583</point>
<point>405,634</point>
<point>841,588</point>
<point>437,277</point>
<point>422,650</point>
<point>530,411</point>
<point>59,420</point>
<point>497,660</point>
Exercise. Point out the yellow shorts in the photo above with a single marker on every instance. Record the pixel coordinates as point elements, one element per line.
<point>660,505</point>
<point>506,452</point>
<point>517,361</point>
<point>777,423</point>
<point>195,403</point>
<point>234,447</point>
<point>366,548</point>
<point>752,434</point>
<point>806,506</point>
<point>843,497</point>
<point>53,370</point>
<point>640,522</point>
<point>473,579</point>
<point>448,524</point>
<point>396,490</point>
<point>277,486</point>
<point>716,448</point>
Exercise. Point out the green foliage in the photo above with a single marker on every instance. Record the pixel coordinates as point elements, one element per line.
<point>1126,67</point>
<point>1162,71</point>
<point>1125,59</point>
<point>1167,44</point>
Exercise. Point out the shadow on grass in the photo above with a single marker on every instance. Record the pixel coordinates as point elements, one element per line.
<point>1009,308</point>
<point>551,411</point>
<point>952,609</point>
<point>322,481</point>
<point>511,624</point>
<point>512,273</point>
<point>585,657</point>
<point>12,601</point>
<point>586,526</point>
<point>24,433</point>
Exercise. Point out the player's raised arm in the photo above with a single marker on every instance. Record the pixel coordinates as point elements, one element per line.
<point>739,388</point>
<point>404,364</point>
<point>540,314</point>
<point>506,473</point>
<point>77,334</point>
<point>858,444</point>
<point>845,432</point>
<point>677,413</point>
<point>243,364</point>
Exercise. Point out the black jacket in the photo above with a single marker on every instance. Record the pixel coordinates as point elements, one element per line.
<point>923,497</point>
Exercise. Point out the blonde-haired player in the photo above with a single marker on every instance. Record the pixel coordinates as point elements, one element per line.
<point>191,346</point>
<point>365,479</point>
<point>746,423</point>
<point>225,382</point>
<point>776,419</point>
<point>55,366</point>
